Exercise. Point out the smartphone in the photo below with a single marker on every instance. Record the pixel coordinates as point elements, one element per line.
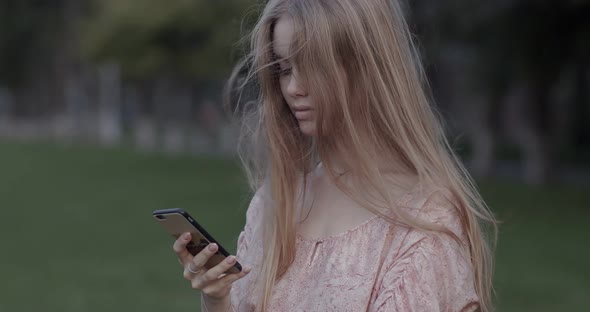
<point>176,221</point>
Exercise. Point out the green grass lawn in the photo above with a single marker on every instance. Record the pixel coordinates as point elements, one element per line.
<point>77,233</point>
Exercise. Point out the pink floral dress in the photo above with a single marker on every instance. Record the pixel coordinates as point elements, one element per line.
<point>375,266</point>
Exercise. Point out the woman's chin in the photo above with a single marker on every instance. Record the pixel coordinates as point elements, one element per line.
<point>307,128</point>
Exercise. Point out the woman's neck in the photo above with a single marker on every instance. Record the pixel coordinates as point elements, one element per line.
<point>385,162</point>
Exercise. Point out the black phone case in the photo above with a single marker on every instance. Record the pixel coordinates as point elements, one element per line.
<point>194,247</point>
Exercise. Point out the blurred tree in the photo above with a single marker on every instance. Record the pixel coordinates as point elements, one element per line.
<point>505,61</point>
<point>540,47</point>
<point>28,29</point>
<point>173,53</point>
<point>186,38</point>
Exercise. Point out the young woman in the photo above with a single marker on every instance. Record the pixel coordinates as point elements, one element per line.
<point>360,204</point>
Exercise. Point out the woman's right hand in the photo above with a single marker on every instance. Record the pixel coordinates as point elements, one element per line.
<point>214,284</point>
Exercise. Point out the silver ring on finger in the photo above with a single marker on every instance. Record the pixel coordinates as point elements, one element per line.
<point>190,269</point>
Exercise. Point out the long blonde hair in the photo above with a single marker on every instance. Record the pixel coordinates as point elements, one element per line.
<point>357,62</point>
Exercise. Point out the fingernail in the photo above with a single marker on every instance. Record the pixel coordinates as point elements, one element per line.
<point>247,269</point>
<point>186,235</point>
<point>212,247</point>
<point>231,260</point>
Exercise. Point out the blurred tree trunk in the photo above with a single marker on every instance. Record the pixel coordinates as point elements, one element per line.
<point>109,105</point>
<point>144,127</point>
<point>6,106</point>
<point>75,79</point>
<point>535,138</point>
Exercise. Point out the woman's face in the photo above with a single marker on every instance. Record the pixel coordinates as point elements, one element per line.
<point>294,93</point>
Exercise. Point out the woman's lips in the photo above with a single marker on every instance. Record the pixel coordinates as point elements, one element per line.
<point>303,114</point>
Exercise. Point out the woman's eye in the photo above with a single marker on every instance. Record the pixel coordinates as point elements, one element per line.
<point>285,72</point>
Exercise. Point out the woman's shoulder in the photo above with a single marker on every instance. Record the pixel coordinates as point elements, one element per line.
<point>433,204</point>
<point>254,211</point>
<point>434,207</point>
<point>423,261</point>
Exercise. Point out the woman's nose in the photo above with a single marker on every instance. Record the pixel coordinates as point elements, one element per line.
<point>294,88</point>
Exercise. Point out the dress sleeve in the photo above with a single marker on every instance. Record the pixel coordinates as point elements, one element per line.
<point>432,272</point>
<point>248,254</point>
